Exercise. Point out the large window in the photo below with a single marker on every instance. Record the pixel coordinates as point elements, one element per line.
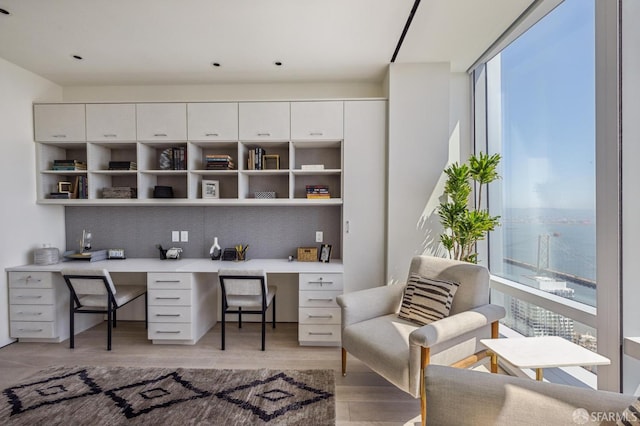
<point>540,116</point>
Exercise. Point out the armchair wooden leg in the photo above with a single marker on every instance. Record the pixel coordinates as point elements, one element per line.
<point>344,362</point>
<point>494,357</point>
<point>424,361</point>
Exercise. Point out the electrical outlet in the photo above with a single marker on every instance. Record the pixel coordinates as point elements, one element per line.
<point>175,236</point>
<point>318,236</point>
<point>184,236</point>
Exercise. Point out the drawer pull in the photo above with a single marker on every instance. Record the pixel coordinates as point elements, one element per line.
<point>23,296</point>
<point>315,333</point>
<point>167,281</point>
<point>168,298</point>
<point>34,330</point>
<point>320,300</point>
<point>167,332</point>
<point>264,134</point>
<point>59,136</point>
<point>159,134</point>
<point>31,314</point>
<point>110,135</point>
<point>315,133</point>
<point>320,316</point>
<point>29,278</point>
<point>320,282</point>
<point>167,315</point>
<point>211,134</point>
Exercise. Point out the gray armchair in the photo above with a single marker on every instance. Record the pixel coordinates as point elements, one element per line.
<point>399,350</point>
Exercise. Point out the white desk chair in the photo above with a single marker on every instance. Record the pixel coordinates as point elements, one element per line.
<point>246,291</point>
<point>93,292</point>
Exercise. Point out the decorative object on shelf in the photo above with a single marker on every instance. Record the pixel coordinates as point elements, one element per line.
<point>264,194</point>
<point>163,192</point>
<point>210,189</point>
<point>463,226</point>
<point>120,192</point>
<point>85,241</point>
<point>312,167</point>
<point>325,253</point>
<point>241,251</point>
<point>229,254</point>
<point>271,161</point>
<point>174,158</point>
<point>64,186</point>
<point>116,253</point>
<point>318,192</point>
<point>172,253</point>
<point>123,165</point>
<point>307,254</point>
<point>215,251</point>
<point>46,255</point>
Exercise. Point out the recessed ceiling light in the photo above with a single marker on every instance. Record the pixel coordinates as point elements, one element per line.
<point>215,64</point>
<point>77,57</point>
<point>4,12</point>
<point>278,63</point>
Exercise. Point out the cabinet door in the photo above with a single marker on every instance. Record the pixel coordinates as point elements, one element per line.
<point>212,121</point>
<point>59,122</point>
<point>316,120</point>
<point>264,121</point>
<point>111,122</point>
<point>364,196</point>
<point>162,122</point>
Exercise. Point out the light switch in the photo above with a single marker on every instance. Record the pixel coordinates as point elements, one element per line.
<point>175,236</point>
<point>184,236</point>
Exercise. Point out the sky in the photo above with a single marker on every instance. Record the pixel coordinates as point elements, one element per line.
<point>548,112</point>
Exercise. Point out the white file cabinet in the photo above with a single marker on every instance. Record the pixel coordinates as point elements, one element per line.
<point>318,312</point>
<point>178,311</point>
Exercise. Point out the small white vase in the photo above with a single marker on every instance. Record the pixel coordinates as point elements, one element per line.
<point>215,251</point>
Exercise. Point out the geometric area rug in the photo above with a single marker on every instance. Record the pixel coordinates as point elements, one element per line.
<point>170,396</point>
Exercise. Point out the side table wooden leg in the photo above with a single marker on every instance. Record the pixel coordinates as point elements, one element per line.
<point>539,374</point>
<point>494,362</point>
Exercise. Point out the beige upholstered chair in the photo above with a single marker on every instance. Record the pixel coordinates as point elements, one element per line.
<point>398,349</point>
<point>93,292</point>
<point>246,291</point>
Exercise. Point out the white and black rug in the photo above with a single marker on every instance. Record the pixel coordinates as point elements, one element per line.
<point>157,396</point>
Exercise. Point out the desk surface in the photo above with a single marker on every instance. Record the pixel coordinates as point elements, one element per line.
<point>543,352</point>
<point>188,265</point>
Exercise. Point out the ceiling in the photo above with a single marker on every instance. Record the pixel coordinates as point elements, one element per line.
<point>126,42</point>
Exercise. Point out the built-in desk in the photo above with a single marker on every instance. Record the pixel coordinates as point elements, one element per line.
<point>181,301</point>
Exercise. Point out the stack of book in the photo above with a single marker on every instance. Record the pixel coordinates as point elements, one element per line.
<point>123,165</point>
<point>256,160</point>
<point>119,192</point>
<point>69,165</point>
<point>174,158</point>
<point>219,162</point>
<point>318,192</point>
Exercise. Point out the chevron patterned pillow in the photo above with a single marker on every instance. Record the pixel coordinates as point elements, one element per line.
<point>426,299</point>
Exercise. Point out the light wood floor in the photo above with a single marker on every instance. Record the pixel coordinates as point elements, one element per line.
<point>362,397</point>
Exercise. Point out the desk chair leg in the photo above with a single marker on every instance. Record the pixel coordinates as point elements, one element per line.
<point>273,318</point>
<point>114,318</point>
<point>224,315</point>
<point>239,317</point>
<point>71,328</point>
<point>264,315</point>
<point>109,318</point>
<point>146,313</point>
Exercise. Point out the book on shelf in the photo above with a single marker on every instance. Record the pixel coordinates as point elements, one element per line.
<point>80,188</point>
<point>69,165</point>
<point>318,196</point>
<point>312,167</point>
<point>317,192</point>
<point>256,159</point>
<point>219,162</point>
<point>60,195</point>
<point>123,165</point>
<point>174,158</point>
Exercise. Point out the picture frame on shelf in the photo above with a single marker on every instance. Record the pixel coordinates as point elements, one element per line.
<point>325,253</point>
<point>210,189</point>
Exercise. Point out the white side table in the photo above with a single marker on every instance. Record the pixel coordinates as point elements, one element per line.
<point>542,352</point>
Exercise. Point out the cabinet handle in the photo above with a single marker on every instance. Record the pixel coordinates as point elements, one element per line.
<point>32,314</point>
<point>59,136</point>
<point>319,300</point>
<point>321,316</point>
<point>35,330</point>
<point>315,133</point>
<point>110,135</point>
<point>167,281</point>
<point>211,134</point>
<point>22,296</point>
<point>346,227</point>
<point>320,282</point>
<point>29,278</point>
<point>167,332</point>
<point>167,315</point>
<point>264,134</point>
<point>312,333</point>
<point>159,134</point>
<point>168,298</point>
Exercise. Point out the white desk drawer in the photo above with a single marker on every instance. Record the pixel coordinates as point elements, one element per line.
<point>169,298</point>
<point>31,313</point>
<point>319,316</point>
<point>318,299</point>
<point>31,296</point>
<point>320,282</point>
<point>30,280</point>
<point>33,329</point>
<point>169,313</point>
<point>170,331</point>
<point>319,333</point>
<point>170,280</point>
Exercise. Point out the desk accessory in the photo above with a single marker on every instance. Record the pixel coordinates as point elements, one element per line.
<point>241,251</point>
<point>325,253</point>
<point>229,254</point>
<point>46,255</point>
<point>162,191</point>
<point>215,251</point>
<point>91,256</point>
<point>307,254</point>
<point>116,253</point>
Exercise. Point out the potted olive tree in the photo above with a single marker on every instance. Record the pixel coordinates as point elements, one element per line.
<point>465,225</point>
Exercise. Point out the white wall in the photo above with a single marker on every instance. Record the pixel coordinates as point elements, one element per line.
<point>429,127</point>
<point>630,179</point>
<point>222,92</point>
<point>25,224</point>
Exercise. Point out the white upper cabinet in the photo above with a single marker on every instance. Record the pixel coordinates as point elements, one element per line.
<point>59,123</point>
<point>111,122</point>
<point>317,120</point>
<point>261,121</point>
<point>162,122</point>
<point>212,121</point>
